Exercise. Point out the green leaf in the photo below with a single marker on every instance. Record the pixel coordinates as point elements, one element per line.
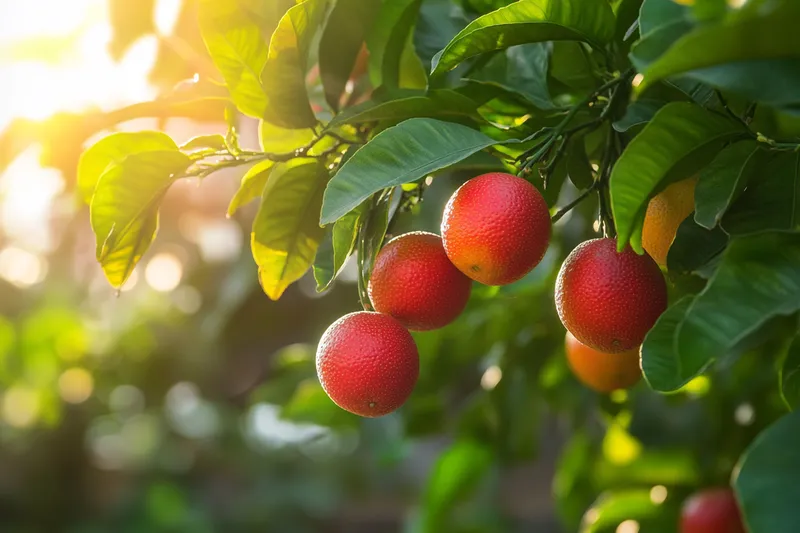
<point>722,55</point>
<point>758,279</point>
<point>455,475</point>
<point>341,43</point>
<point>790,374</point>
<point>522,69</point>
<point>694,246</point>
<point>285,231</point>
<point>529,21</point>
<point>679,140</point>
<point>124,208</point>
<point>388,39</point>
<point>654,44</point>
<point>579,168</point>
<point>770,202</point>
<point>239,50</point>
<point>284,73</point>
<point>613,508</point>
<point>214,142</point>
<point>639,112</point>
<point>438,103</point>
<point>329,262</point>
<point>277,140</point>
<point>112,150</point>
<point>252,185</point>
<point>723,180</point>
<point>765,479</point>
<point>401,154</point>
<point>658,13</point>
<point>664,369</point>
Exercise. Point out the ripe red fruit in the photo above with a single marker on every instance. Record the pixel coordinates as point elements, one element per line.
<point>367,363</point>
<point>415,282</point>
<point>609,300</point>
<point>711,511</point>
<point>603,372</point>
<point>496,228</point>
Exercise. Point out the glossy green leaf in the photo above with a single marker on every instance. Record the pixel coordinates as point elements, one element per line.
<point>571,65</point>
<point>694,246</point>
<point>252,185</point>
<point>124,208</point>
<point>529,21</point>
<point>772,199</point>
<point>401,154</point>
<point>765,479</point>
<point>523,69</point>
<point>239,50</point>
<point>679,140</point>
<point>284,73</point>
<point>277,140</point>
<point>329,262</point>
<point>112,150</point>
<point>438,103</point>
<point>579,169</point>
<point>285,233</point>
<point>341,43</point>
<point>721,54</point>
<point>657,13</point>
<point>758,279</point>
<point>790,374</point>
<point>638,113</point>
<point>215,143</point>
<point>656,43</point>
<point>613,508</point>
<point>387,40</point>
<point>665,369</point>
<point>723,180</point>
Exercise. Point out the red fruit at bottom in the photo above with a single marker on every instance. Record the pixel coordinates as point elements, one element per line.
<point>609,300</point>
<point>415,282</point>
<point>711,511</point>
<point>367,363</point>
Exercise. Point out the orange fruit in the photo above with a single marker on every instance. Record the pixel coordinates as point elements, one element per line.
<point>603,372</point>
<point>361,63</point>
<point>415,282</point>
<point>609,300</point>
<point>665,213</point>
<point>496,228</point>
<point>711,511</point>
<point>367,363</point>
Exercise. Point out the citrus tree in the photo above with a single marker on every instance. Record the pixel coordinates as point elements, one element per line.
<point>663,132</point>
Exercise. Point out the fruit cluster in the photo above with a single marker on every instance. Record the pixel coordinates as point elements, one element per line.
<point>495,229</point>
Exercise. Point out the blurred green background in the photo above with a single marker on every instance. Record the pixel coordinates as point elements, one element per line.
<point>189,401</point>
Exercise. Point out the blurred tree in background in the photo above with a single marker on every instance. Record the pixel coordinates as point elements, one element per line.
<point>188,400</point>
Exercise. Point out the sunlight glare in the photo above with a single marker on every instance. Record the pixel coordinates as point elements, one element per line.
<point>76,385</point>
<point>21,268</point>
<point>164,272</point>
<point>166,15</point>
<point>20,406</point>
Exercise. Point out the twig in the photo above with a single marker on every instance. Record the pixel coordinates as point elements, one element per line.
<point>567,208</point>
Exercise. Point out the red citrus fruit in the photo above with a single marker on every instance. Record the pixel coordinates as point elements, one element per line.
<point>609,300</point>
<point>367,363</point>
<point>603,372</point>
<point>711,511</point>
<point>496,228</point>
<point>415,282</point>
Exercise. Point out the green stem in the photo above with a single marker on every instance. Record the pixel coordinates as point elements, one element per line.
<point>567,208</point>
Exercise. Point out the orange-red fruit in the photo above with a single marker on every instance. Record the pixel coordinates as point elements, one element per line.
<point>603,372</point>
<point>415,282</point>
<point>711,511</point>
<point>609,300</point>
<point>367,363</point>
<point>496,228</point>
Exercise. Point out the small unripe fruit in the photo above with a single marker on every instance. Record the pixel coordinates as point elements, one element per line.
<point>603,372</point>
<point>609,300</point>
<point>415,282</point>
<point>367,363</point>
<point>711,511</point>
<point>496,228</point>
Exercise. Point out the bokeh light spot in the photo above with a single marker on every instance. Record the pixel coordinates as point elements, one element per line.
<point>164,272</point>
<point>76,385</point>
<point>21,406</point>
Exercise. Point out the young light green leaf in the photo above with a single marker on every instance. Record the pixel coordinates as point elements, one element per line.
<point>124,208</point>
<point>529,21</point>
<point>724,179</point>
<point>277,140</point>
<point>438,103</point>
<point>113,149</point>
<point>214,142</point>
<point>285,233</point>
<point>765,479</point>
<point>341,243</point>
<point>790,374</point>
<point>252,185</point>
<point>401,154</point>
<point>758,279</point>
<point>239,50</point>
<point>341,43</point>
<point>284,73</point>
<point>387,40</point>
<point>770,202</point>
<point>680,139</point>
<point>727,55</point>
